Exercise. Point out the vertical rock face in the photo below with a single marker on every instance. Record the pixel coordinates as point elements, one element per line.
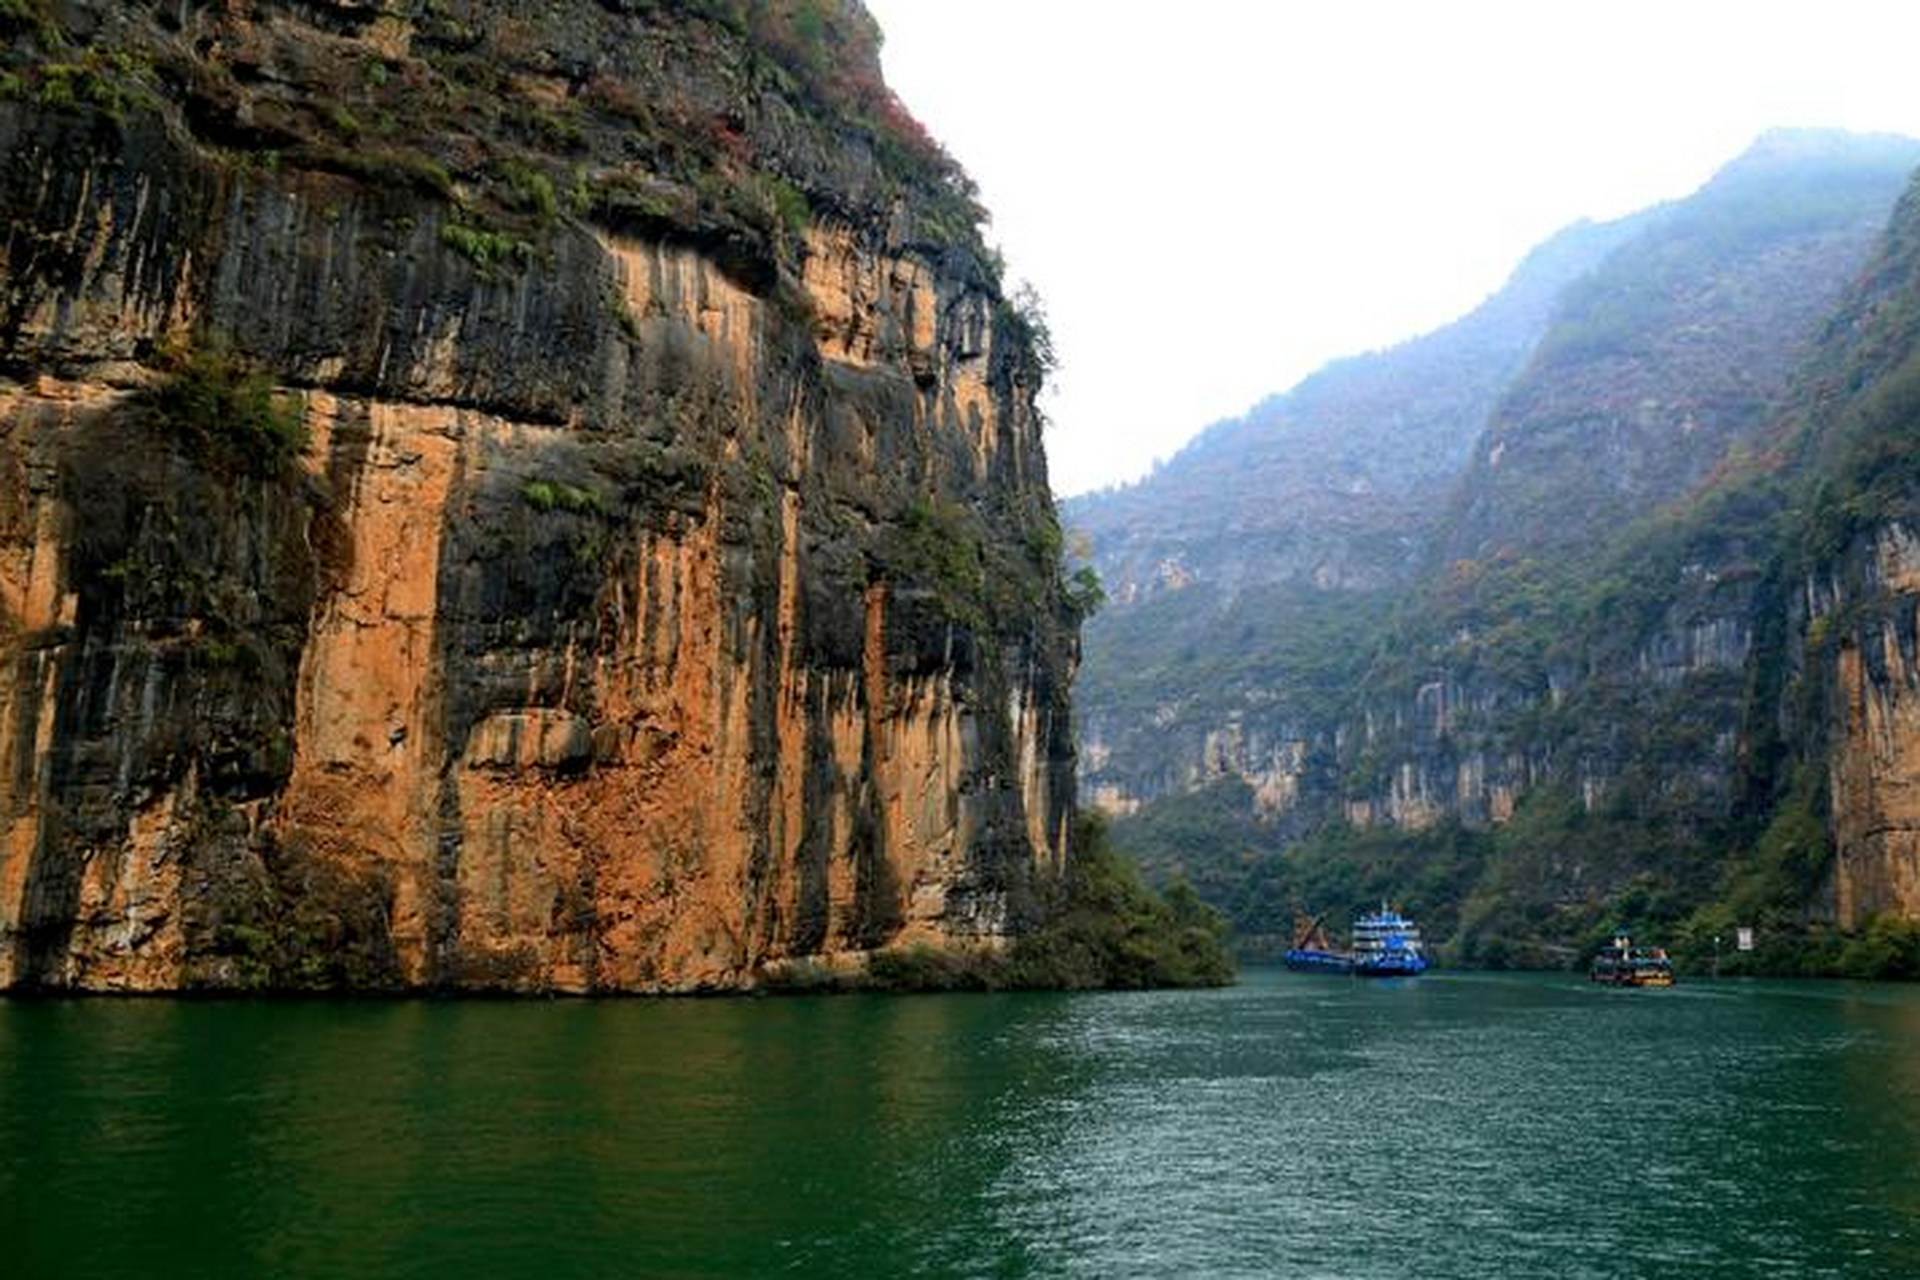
<point>1858,595</point>
<point>410,577</point>
<point>1874,766</point>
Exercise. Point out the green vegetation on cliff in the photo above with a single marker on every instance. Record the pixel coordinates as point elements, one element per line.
<point>229,410</point>
<point>1103,929</point>
<point>1107,929</point>
<point>523,118</point>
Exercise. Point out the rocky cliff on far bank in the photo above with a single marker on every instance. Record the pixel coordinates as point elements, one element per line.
<point>1654,669</point>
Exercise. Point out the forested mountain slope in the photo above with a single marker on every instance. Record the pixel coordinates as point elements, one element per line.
<point>1333,484</point>
<point>1601,699</point>
<point>1233,572</point>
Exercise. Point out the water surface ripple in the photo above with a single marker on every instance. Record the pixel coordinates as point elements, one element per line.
<point>1459,1125</point>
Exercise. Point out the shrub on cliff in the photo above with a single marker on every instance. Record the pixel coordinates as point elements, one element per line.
<point>229,410</point>
<point>1109,930</point>
<point>1889,947</point>
<point>1105,930</point>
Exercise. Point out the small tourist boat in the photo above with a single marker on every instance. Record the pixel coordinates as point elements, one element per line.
<point>1386,944</point>
<point>1621,964</point>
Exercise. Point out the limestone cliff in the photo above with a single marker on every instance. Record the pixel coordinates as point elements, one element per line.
<point>1852,597</point>
<point>506,498</point>
<point>1875,762</point>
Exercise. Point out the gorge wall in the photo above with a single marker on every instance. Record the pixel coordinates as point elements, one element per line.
<point>1241,573</point>
<point>506,499</point>
<point>1651,671</point>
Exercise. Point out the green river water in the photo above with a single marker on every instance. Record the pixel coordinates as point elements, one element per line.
<point>1461,1125</point>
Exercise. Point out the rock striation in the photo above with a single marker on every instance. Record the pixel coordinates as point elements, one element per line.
<point>512,499</point>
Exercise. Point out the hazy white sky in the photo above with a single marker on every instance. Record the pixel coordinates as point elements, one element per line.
<point>1215,197</point>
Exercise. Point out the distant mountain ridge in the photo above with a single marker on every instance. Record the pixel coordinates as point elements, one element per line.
<point>1311,479</point>
<point>1569,687</point>
<point>1672,349</point>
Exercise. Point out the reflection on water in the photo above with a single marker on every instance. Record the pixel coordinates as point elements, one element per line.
<point>1460,1125</point>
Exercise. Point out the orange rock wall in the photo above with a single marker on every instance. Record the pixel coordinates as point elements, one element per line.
<point>1874,769</point>
<point>514,682</point>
